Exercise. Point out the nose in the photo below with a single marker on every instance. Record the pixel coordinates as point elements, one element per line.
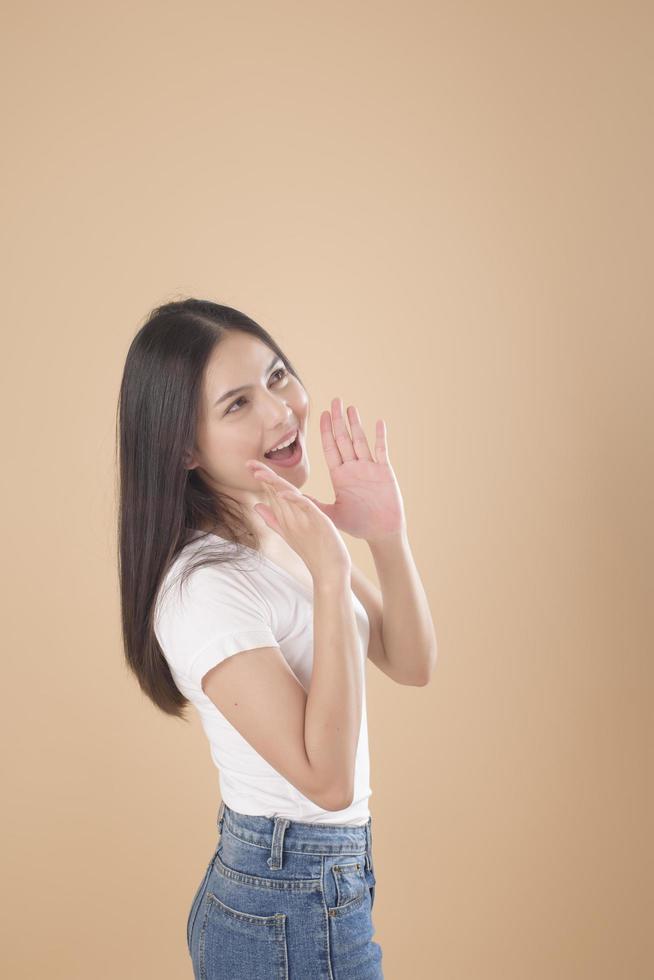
<point>280,417</point>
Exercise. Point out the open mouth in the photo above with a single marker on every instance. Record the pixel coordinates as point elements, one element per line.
<point>289,456</point>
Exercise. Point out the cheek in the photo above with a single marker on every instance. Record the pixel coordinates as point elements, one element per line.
<point>300,400</point>
<point>228,447</point>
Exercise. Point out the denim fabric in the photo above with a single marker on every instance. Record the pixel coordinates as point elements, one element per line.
<point>285,900</point>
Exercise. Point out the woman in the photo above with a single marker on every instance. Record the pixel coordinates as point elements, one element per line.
<point>220,553</point>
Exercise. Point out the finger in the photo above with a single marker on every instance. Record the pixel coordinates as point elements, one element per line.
<point>267,516</point>
<point>331,450</point>
<point>281,500</point>
<point>326,509</point>
<point>265,474</point>
<point>273,502</point>
<point>359,440</point>
<point>274,479</point>
<point>381,445</point>
<point>294,497</point>
<point>268,513</point>
<point>341,434</point>
<point>285,511</point>
<point>289,492</point>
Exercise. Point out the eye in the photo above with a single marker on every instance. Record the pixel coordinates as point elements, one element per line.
<point>279,370</point>
<point>283,371</point>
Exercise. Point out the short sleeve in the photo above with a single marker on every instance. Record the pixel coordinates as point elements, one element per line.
<point>216,613</point>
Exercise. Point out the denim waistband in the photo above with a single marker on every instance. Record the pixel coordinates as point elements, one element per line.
<point>281,833</point>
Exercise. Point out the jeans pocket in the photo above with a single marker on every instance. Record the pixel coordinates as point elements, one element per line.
<point>237,943</point>
<point>350,885</point>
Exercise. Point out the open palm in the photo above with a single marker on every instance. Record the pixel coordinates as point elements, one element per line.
<point>368,503</point>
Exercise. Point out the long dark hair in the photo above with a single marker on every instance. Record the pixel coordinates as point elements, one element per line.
<point>163,505</point>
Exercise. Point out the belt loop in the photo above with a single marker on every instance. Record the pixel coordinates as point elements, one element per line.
<point>221,811</point>
<point>276,850</point>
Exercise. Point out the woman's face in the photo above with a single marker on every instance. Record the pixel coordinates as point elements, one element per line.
<point>239,425</point>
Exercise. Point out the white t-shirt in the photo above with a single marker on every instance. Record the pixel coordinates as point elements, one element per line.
<point>222,610</point>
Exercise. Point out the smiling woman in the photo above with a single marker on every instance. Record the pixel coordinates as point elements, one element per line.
<point>237,598</point>
<point>183,439</point>
<point>271,404</point>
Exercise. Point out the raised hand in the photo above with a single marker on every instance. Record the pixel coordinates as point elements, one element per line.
<point>309,532</point>
<point>368,503</point>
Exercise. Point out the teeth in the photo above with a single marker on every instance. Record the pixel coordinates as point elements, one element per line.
<point>287,443</point>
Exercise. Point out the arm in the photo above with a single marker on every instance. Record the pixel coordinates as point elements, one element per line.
<point>402,636</point>
<point>334,701</point>
<point>309,738</point>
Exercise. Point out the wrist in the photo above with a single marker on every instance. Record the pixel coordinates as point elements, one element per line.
<point>389,542</point>
<point>332,579</point>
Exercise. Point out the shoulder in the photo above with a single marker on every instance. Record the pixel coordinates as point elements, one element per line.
<point>195,588</point>
<point>214,612</point>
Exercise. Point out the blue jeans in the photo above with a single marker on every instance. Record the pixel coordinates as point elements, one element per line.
<point>285,900</point>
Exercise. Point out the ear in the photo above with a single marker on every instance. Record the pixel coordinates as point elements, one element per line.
<point>188,461</point>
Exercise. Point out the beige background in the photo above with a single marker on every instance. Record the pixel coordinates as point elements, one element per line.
<point>443,212</point>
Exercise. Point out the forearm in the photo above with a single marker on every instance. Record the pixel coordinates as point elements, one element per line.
<point>408,632</point>
<point>334,700</point>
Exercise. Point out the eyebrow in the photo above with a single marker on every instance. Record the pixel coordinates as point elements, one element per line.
<point>234,391</point>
